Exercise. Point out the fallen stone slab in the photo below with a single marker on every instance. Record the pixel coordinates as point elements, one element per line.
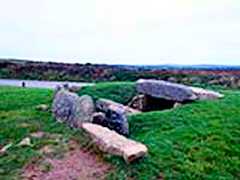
<point>106,104</point>
<point>173,91</point>
<point>111,142</point>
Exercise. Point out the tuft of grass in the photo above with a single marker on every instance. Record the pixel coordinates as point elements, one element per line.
<point>121,92</point>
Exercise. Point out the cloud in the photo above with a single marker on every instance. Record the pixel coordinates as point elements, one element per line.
<point>126,32</point>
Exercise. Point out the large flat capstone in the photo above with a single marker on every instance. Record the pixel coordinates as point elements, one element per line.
<point>111,142</point>
<point>173,91</point>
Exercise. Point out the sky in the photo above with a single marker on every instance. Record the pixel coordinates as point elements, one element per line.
<point>122,31</point>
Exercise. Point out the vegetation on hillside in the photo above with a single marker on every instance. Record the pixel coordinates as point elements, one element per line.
<point>195,141</point>
<point>225,76</point>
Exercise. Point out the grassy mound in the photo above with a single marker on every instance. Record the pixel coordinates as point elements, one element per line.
<point>195,141</point>
<point>121,92</point>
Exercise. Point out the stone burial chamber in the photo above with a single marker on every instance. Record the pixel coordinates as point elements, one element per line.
<point>105,121</point>
<point>74,110</point>
<point>159,95</point>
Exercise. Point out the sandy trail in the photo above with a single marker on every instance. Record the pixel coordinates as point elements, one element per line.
<point>75,165</point>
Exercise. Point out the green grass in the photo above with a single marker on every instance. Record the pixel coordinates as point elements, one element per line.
<point>121,92</point>
<point>195,141</point>
<point>19,118</point>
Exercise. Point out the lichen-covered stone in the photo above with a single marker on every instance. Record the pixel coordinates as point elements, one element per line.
<point>165,90</point>
<point>116,115</point>
<point>113,143</point>
<point>173,91</point>
<point>70,108</point>
<point>106,104</point>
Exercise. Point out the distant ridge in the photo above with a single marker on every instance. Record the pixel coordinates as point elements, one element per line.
<point>88,72</point>
<point>132,67</point>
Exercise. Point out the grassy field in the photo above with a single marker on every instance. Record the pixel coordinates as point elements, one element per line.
<point>195,141</point>
<point>121,92</point>
<point>18,119</point>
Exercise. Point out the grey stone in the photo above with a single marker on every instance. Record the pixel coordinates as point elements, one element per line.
<point>111,142</point>
<point>117,121</point>
<point>116,115</point>
<point>203,94</point>
<point>100,118</point>
<point>173,91</point>
<point>25,142</point>
<point>106,104</point>
<point>165,90</point>
<point>70,108</point>
<point>42,107</point>
<point>138,102</point>
<point>177,104</point>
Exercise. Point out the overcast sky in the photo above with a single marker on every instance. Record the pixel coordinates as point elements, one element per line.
<point>122,31</point>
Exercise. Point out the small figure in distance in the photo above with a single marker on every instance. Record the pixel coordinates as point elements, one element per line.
<point>66,86</point>
<point>23,84</point>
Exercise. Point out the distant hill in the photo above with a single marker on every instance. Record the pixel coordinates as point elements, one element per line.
<point>195,67</point>
<point>183,67</point>
<point>23,69</point>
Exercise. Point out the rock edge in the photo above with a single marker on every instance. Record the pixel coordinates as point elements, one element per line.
<point>111,142</point>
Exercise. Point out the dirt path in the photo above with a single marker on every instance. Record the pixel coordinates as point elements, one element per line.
<point>75,165</point>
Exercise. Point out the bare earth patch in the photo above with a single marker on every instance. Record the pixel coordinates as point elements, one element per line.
<point>75,165</point>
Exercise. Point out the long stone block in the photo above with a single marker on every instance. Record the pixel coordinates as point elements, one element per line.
<point>111,142</point>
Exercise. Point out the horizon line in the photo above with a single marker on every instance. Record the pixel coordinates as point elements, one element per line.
<point>41,60</point>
